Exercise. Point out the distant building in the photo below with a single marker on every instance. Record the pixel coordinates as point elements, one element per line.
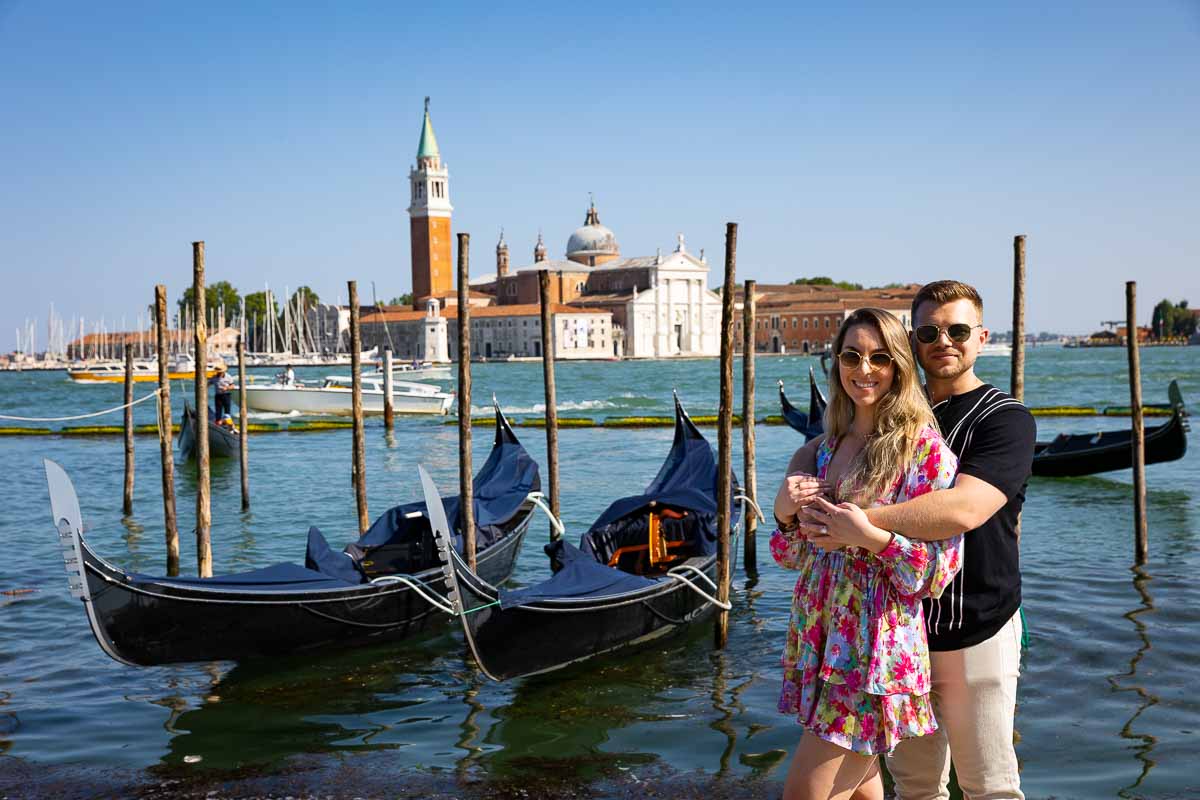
<point>429,214</point>
<point>791,318</point>
<point>660,305</point>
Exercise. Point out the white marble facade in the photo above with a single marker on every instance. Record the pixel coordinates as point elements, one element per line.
<point>677,315</point>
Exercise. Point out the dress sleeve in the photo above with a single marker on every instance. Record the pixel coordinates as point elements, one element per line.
<point>917,568</point>
<point>787,548</point>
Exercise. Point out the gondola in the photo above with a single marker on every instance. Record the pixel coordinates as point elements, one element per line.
<point>222,441</point>
<point>1068,455</point>
<point>385,587</point>
<point>810,424</point>
<point>1078,454</point>
<point>645,569</point>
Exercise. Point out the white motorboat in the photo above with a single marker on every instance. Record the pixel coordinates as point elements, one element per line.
<point>334,396</point>
<point>996,349</point>
<point>417,371</point>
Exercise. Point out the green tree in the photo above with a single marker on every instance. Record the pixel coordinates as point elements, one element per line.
<point>1170,319</point>
<point>256,317</point>
<point>823,280</point>
<point>402,300</point>
<point>215,295</point>
<point>304,299</point>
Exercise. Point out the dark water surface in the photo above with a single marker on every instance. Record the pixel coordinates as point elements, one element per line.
<point>1108,702</point>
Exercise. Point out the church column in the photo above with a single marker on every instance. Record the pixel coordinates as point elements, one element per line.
<point>694,295</point>
<point>658,315</point>
<point>671,340</point>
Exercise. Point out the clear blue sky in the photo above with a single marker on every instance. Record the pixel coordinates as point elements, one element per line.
<point>873,143</point>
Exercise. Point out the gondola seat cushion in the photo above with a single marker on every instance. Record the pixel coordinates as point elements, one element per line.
<point>276,578</point>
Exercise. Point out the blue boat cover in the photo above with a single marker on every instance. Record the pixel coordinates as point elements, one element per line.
<point>687,481</point>
<point>500,488</point>
<point>277,578</point>
<point>580,576</point>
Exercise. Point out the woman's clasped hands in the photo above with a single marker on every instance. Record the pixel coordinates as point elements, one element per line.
<point>826,525</point>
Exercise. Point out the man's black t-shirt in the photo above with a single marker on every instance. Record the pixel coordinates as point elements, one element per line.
<point>993,436</point>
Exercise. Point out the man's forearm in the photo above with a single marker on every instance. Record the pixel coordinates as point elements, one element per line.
<point>930,517</point>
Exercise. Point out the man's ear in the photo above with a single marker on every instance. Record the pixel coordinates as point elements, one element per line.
<point>984,336</point>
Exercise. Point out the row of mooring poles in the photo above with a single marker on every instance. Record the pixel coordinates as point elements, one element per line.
<point>1138,429</point>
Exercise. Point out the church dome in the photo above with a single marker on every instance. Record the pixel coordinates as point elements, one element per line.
<point>592,239</point>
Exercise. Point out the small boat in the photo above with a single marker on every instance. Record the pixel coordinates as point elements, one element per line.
<point>1077,454</point>
<point>811,424</point>
<point>419,371</point>
<point>996,349</point>
<point>384,587</point>
<point>223,440</point>
<point>144,371</point>
<point>645,569</point>
<point>334,396</point>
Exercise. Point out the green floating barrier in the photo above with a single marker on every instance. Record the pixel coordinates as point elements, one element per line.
<point>712,419</point>
<point>563,422</point>
<point>1127,411</point>
<point>638,422</point>
<point>263,427</point>
<point>773,419</point>
<point>6,431</point>
<point>319,425</point>
<point>92,430</point>
<point>1065,411</point>
<point>474,421</point>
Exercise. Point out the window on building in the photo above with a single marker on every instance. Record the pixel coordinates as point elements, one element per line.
<point>806,323</point>
<point>827,322</point>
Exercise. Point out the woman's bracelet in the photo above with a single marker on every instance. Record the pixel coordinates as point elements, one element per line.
<point>787,527</point>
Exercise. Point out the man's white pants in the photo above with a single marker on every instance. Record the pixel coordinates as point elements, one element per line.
<point>974,693</point>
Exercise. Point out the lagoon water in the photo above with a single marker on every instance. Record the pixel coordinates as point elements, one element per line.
<point>1107,706</point>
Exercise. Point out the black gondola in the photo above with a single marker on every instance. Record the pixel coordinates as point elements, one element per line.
<point>384,587</point>
<point>222,441</point>
<point>1078,454</point>
<point>810,424</point>
<point>1066,456</point>
<point>644,569</point>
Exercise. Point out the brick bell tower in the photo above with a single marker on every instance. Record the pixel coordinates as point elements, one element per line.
<point>429,220</point>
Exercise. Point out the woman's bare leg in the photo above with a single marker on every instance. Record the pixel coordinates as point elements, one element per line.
<point>821,770</point>
<point>872,786</point>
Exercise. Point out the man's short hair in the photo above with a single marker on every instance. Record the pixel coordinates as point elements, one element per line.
<point>942,292</point>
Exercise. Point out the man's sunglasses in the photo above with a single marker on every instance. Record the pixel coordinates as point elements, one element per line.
<point>959,332</point>
<point>851,359</point>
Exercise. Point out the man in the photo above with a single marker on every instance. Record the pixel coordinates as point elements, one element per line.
<point>223,393</point>
<point>974,627</point>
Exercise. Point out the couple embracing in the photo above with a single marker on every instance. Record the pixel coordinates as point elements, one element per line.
<point>903,521</point>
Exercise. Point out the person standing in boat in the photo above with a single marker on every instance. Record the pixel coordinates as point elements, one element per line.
<point>223,393</point>
<point>856,662</point>
<point>975,628</point>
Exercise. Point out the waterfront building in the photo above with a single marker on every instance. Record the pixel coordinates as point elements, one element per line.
<point>660,305</point>
<point>497,332</point>
<point>792,318</point>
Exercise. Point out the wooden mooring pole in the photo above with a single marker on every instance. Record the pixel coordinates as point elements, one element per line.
<point>749,473</point>
<point>128,499</point>
<point>1017,382</point>
<point>243,426</point>
<point>389,410</point>
<point>164,429</point>
<point>203,498</point>
<point>1141,543</point>
<point>551,392</point>
<point>359,448</point>
<point>466,486</point>
<point>725,435</point>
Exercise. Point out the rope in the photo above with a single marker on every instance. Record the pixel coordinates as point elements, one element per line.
<point>687,582</point>
<point>121,407</point>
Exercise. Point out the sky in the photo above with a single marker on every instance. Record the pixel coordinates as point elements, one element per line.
<point>875,143</point>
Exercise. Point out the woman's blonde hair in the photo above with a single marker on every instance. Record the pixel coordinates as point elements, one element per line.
<point>900,416</point>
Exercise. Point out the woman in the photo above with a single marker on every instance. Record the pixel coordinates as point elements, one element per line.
<point>856,662</point>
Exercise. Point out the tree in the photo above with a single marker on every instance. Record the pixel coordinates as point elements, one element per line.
<point>822,280</point>
<point>402,300</point>
<point>304,299</point>
<point>1171,320</point>
<point>215,295</point>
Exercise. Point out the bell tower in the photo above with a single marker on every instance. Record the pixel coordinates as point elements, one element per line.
<point>429,219</point>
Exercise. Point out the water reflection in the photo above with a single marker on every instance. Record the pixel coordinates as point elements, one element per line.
<point>1125,683</point>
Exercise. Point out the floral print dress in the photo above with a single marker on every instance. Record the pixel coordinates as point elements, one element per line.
<point>856,663</point>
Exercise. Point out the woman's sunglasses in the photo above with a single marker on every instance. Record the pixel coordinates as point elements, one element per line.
<point>851,359</point>
<point>959,332</point>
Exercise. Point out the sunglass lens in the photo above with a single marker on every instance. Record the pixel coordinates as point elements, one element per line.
<point>849,359</point>
<point>959,332</point>
<point>880,360</point>
<point>927,334</point>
